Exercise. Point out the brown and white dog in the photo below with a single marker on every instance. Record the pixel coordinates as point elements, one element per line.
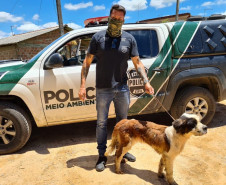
<point>167,141</point>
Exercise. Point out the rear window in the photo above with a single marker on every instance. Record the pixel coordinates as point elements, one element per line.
<point>147,42</point>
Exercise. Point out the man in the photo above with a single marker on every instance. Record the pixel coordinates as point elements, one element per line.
<point>112,49</point>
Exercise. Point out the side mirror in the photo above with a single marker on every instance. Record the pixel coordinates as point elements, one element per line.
<point>54,61</point>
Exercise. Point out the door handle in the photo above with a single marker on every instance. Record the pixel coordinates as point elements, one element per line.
<point>159,69</point>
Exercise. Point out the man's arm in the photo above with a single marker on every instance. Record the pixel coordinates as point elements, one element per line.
<point>85,70</point>
<point>140,69</point>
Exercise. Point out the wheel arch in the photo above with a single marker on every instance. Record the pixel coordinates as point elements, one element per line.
<point>19,102</point>
<point>29,98</point>
<point>210,78</point>
<point>209,83</point>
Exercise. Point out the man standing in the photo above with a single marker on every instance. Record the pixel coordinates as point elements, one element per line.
<point>112,49</point>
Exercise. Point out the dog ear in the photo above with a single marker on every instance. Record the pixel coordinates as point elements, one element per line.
<point>177,124</point>
<point>184,125</point>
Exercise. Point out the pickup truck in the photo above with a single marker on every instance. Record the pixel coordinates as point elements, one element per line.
<point>185,63</point>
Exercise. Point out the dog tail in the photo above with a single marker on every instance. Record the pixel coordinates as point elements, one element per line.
<point>113,144</point>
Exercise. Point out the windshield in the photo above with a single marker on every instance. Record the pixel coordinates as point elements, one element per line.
<point>35,58</point>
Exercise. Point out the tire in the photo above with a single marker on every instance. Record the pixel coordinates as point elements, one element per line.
<point>196,100</point>
<point>15,128</point>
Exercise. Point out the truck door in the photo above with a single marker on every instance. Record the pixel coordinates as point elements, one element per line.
<point>59,87</point>
<point>150,44</point>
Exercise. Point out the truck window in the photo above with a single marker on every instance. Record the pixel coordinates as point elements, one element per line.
<point>147,42</point>
<point>74,51</point>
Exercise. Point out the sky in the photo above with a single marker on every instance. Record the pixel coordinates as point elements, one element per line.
<point>20,16</point>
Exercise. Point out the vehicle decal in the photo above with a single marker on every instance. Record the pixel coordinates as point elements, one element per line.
<point>2,74</point>
<point>135,83</point>
<point>184,34</point>
<point>70,104</point>
<point>10,68</point>
<point>9,80</point>
<point>31,82</point>
<point>66,98</point>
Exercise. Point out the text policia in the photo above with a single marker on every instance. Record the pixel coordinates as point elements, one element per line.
<point>66,98</point>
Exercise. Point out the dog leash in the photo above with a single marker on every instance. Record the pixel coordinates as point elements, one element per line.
<point>155,97</point>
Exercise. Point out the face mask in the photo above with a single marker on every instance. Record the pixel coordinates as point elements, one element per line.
<point>114,27</point>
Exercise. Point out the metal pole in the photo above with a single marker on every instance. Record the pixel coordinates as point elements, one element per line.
<point>12,30</point>
<point>177,10</point>
<point>59,15</point>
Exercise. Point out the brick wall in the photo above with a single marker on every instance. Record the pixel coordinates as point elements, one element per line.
<point>166,19</point>
<point>8,52</point>
<point>28,48</point>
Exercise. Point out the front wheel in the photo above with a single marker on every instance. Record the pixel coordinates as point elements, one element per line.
<point>194,100</point>
<point>15,128</point>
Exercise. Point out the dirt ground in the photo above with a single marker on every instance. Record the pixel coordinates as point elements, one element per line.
<point>66,155</point>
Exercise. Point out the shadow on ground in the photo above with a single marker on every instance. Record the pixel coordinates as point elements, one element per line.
<point>219,117</point>
<point>88,162</point>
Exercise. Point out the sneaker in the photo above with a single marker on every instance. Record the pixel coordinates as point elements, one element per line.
<point>129,157</point>
<point>100,165</point>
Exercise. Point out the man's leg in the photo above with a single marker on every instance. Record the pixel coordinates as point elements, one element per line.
<point>121,102</point>
<point>103,101</point>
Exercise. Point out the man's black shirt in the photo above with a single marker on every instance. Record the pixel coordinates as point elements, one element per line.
<point>112,55</point>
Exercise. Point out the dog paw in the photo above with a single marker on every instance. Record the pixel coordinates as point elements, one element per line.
<point>119,172</point>
<point>123,160</point>
<point>161,175</point>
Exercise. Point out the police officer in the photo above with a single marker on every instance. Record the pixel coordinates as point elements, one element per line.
<point>112,49</point>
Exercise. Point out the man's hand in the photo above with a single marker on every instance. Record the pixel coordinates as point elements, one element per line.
<point>82,93</point>
<point>149,89</point>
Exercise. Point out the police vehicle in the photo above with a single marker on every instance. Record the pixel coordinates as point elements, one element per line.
<point>185,63</point>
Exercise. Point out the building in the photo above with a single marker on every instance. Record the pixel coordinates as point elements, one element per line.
<point>25,46</point>
<point>170,18</point>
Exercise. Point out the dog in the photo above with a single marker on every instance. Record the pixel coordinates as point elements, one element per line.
<point>167,141</point>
